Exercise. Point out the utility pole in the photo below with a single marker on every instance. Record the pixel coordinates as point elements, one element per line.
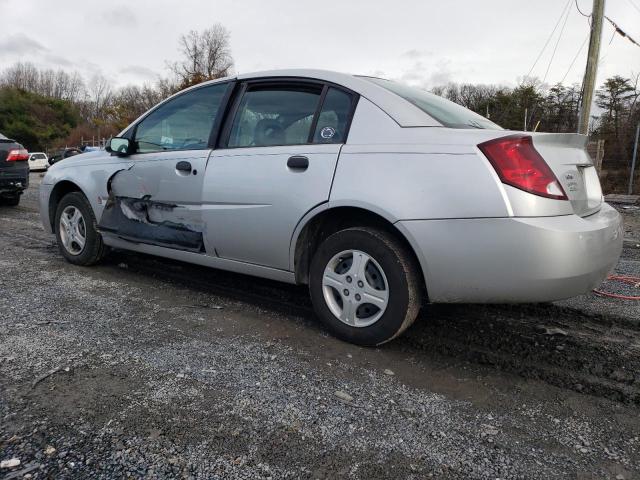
<point>589,84</point>
<point>633,161</point>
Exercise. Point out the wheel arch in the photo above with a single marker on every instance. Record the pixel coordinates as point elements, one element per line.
<point>60,189</point>
<point>324,220</point>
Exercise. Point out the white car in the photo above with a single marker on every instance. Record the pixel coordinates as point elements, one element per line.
<point>38,161</point>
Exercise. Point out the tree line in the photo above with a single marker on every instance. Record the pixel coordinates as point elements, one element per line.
<point>534,106</point>
<point>45,108</point>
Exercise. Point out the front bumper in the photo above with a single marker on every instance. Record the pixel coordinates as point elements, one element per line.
<point>515,260</point>
<point>43,200</point>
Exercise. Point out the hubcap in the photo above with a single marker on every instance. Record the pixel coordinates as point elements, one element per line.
<point>355,288</point>
<point>73,230</point>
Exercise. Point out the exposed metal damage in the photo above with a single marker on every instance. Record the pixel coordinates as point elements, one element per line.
<point>145,220</point>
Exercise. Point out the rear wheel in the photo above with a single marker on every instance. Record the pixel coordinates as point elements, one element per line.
<point>364,286</point>
<point>76,231</point>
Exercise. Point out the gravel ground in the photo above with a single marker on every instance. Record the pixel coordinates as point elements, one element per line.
<point>144,367</point>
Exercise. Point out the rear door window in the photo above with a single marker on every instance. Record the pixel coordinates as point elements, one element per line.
<point>333,121</point>
<point>270,115</point>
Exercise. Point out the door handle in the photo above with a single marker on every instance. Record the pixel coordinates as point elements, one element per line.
<point>298,162</point>
<point>183,166</point>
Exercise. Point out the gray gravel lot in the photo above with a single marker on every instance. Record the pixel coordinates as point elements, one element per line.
<point>144,367</point>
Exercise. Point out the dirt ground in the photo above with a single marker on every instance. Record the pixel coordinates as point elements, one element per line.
<point>144,367</point>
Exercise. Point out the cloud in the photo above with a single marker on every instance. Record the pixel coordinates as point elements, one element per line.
<point>428,74</point>
<point>138,71</point>
<point>58,61</point>
<point>415,74</point>
<point>120,17</point>
<point>414,54</point>
<point>20,44</point>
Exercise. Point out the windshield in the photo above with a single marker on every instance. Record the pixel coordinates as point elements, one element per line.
<point>448,113</point>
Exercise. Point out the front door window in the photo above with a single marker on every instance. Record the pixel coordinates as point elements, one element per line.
<point>182,123</point>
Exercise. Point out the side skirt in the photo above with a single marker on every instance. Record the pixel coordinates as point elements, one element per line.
<point>201,259</point>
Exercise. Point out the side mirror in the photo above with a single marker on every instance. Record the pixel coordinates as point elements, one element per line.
<point>119,146</point>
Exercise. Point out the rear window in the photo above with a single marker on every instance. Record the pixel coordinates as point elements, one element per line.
<point>38,156</point>
<point>448,113</point>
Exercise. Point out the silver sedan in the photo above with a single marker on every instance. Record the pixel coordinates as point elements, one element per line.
<point>377,195</point>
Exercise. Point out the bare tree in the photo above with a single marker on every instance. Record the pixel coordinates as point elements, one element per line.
<point>24,76</point>
<point>56,84</point>
<point>206,55</point>
<point>61,85</point>
<point>100,95</point>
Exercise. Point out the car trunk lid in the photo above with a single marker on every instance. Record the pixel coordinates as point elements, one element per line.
<point>567,156</point>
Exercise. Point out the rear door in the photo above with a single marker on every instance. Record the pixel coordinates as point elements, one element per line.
<point>156,199</point>
<point>276,162</point>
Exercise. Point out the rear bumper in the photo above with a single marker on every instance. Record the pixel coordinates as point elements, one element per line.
<point>13,180</point>
<point>38,166</point>
<point>514,260</point>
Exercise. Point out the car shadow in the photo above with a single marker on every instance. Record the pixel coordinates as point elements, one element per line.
<point>559,345</point>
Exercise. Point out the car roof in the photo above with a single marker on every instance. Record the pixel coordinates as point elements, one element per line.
<point>402,111</point>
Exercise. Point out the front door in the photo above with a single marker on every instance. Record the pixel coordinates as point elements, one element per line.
<point>158,198</point>
<point>277,162</point>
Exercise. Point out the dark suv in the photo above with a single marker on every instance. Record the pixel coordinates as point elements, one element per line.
<point>14,171</point>
<point>64,153</point>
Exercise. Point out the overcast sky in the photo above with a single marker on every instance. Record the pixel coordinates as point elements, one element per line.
<point>422,42</point>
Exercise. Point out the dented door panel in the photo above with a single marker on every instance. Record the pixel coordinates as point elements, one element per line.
<point>154,202</point>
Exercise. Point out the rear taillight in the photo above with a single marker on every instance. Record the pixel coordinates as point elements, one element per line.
<point>18,155</point>
<point>519,164</point>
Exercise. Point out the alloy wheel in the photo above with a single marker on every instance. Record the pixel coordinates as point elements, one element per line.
<point>73,230</point>
<point>355,288</point>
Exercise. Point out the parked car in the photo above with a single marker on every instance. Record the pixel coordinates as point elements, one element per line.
<point>376,195</point>
<point>64,153</point>
<point>14,171</point>
<point>38,161</point>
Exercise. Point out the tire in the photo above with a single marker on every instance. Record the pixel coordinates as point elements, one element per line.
<point>391,272</point>
<point>12,201</point>
<point>93,249</point>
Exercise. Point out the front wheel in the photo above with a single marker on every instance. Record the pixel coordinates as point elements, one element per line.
<point>76,231</point>
<point>365,286</point>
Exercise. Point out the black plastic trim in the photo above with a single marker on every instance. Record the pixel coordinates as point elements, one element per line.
<point>316,115</point>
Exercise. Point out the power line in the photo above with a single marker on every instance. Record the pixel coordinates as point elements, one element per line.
<point>575,58</point>
<point>613,34</point>
<point>634,5</point>
<point>580,11</point>
<point>555,48</point>
<point>553,54</point>
<point>549,38</point>
<point>619,31</point>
